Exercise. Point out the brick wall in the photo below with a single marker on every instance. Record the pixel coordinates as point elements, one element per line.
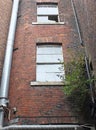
<point>86,12</point>
<point>40,104</point>
<point>5,11</point>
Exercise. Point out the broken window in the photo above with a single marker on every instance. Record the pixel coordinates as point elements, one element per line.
<point>47,13</point>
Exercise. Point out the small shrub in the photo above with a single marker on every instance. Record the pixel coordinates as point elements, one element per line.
<point>77,84</point>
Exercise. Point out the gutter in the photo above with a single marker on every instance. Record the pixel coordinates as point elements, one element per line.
<point>7,62</point>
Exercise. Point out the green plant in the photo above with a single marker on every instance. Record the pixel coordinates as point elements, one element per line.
<point>77,86</point>
<point>75,75</point>
<point>77,82</point>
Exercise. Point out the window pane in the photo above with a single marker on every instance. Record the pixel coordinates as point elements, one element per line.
<point>49,68</point>
<point>49,49</point>
<point>49,72</point>
<point>49,53</point>
<point>47,5</point>
<point>52,19</point>
<point>42,18</point>
<point>47,10</point>
<point>49,58</point>
<point>47,78</point>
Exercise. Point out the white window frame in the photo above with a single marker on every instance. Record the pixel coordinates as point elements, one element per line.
<point>45,11</point>
<point>48,63</point>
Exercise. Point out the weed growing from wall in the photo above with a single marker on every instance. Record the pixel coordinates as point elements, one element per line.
<point>77,87</point>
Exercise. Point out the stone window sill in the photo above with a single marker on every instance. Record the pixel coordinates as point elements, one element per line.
<point>47,83</point>
<point>49,23</point>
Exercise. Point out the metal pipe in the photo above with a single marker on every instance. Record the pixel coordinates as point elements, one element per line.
<point>77,23</point>
<point>39,127</point>
<point>7,61</point>
<point>46,127</point>
<point>89,77</point>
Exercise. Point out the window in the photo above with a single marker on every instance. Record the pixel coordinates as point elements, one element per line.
<point>49,64</point>
<point>47,13</point>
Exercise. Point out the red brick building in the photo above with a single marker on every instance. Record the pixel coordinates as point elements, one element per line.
<point>38,98</point>
<point>46,34</point>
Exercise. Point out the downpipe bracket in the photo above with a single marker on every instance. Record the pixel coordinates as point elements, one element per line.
<point>3,101</point>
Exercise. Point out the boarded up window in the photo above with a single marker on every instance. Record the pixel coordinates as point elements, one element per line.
<point>49,63</point>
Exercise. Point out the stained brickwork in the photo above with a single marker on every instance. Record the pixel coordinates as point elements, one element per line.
<point>86,12</point>
<point>5,11</point>
<point>40,104</point>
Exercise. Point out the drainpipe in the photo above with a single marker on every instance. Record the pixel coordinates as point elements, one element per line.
<point>89,77</point>
<point>7,62</point>
<point>77,22</point>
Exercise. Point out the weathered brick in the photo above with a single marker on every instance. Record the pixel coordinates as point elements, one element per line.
<point>41,104</point>
<point>86,12</point>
